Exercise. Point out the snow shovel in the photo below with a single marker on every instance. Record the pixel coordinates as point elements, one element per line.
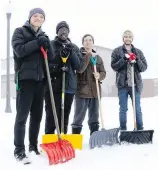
<point>136,136</point>
<point>59,151</point>
<point>103,137</point>
<point>74,139</point>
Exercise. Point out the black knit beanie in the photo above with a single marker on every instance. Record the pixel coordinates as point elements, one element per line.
<point>62,24</point>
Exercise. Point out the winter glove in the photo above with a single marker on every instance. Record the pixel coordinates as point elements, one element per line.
<point>43,41</point>
<point>131,57</point>
<point>66,51</point>
<point>65,68</point>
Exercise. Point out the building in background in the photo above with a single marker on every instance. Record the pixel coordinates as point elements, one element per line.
<point>108,86</point>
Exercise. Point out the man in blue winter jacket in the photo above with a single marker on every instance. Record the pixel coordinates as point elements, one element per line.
<point>62,47</point>
<point>121,60</point>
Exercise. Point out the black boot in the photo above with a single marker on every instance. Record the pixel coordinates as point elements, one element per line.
<point>76,130</point>
<point>33,148</point>
<point>94,127</point>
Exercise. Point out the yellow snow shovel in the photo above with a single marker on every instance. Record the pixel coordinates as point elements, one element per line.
<point>74,139</point>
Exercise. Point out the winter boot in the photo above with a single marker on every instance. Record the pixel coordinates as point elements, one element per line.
<point>76,130</point>
<point>94,127</point>
<point>33,148</point>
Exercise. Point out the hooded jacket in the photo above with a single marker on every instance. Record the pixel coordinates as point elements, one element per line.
<point>28,58</point>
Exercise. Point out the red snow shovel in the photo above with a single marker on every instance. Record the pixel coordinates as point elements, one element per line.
<point>136,136</point>
<point>62,150</point>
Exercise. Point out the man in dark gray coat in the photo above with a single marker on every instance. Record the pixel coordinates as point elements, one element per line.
<point>121,63</point>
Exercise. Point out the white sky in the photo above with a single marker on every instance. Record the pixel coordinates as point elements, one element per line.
<point>104,19</point>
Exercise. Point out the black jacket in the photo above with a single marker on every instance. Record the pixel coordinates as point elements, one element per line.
<point>73,63</point>
<point>119,64</point>
<point>28,58</point>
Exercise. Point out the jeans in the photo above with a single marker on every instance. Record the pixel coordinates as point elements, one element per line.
<point>123,102</point>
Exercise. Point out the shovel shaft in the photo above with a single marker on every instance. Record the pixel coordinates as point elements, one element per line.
<point>51,93</point>
<point>99,99</point>
<point>62,102</point>
<point>133,97</point>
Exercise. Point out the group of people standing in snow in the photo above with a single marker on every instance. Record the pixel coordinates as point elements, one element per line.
<point>80,86</point>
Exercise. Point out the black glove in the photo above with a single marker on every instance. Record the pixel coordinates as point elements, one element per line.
<point>65,52</point>
<point>65,68</point>
<point>43,41</point>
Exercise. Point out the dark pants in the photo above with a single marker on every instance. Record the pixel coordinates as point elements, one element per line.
<point>30,97</point>
<point>81,106</point>
<point>123,102</point>
<point>50,123</point>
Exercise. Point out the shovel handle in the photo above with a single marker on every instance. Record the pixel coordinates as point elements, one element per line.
<point>62,102</point>
<point>99,99</point>
<point>51,92</point>
<point>64,60</point>
<point>133,97</point>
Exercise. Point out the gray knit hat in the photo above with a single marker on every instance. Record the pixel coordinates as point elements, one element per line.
<point>36,10</point>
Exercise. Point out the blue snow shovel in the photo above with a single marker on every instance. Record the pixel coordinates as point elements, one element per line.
<point>104,136</point>
<point>136,136</point>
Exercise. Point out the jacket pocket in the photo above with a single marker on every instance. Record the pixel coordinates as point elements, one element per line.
<point>83,87</point>
<point>120,79</point>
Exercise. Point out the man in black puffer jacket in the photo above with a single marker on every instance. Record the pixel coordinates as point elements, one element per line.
<point>62,47</point>
<point>30,79</point>
<point>121,60</point>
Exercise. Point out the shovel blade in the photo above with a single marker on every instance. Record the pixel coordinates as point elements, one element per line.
<point>74,139</point>
<point>58,152</point>
<point>104,137</point>
<point>137,136</point>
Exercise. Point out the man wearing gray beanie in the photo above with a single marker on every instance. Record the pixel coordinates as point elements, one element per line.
<point>121,59</point>
<point>30,80</point>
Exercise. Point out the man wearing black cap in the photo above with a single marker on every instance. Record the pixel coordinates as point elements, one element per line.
<point>121,59</point>
<point>62,48</point>
<point>29,77</point>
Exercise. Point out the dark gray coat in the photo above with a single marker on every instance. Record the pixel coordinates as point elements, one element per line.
<point>119,64</point>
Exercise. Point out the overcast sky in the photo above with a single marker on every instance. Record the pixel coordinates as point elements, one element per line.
<point>104,19</point>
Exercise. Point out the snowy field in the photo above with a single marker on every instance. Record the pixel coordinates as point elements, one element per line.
<point>124,157</point>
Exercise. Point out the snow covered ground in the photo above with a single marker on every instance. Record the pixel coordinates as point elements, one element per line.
<point>124,157</point>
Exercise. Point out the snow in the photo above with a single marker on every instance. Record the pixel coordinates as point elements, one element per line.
<point>118,157</point>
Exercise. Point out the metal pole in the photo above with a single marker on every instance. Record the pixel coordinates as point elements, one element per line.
<point>8,106</point>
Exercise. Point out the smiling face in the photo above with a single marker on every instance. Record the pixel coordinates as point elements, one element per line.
<point>37,20</point>
<point>63,33</point>
<point>128,38</point>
